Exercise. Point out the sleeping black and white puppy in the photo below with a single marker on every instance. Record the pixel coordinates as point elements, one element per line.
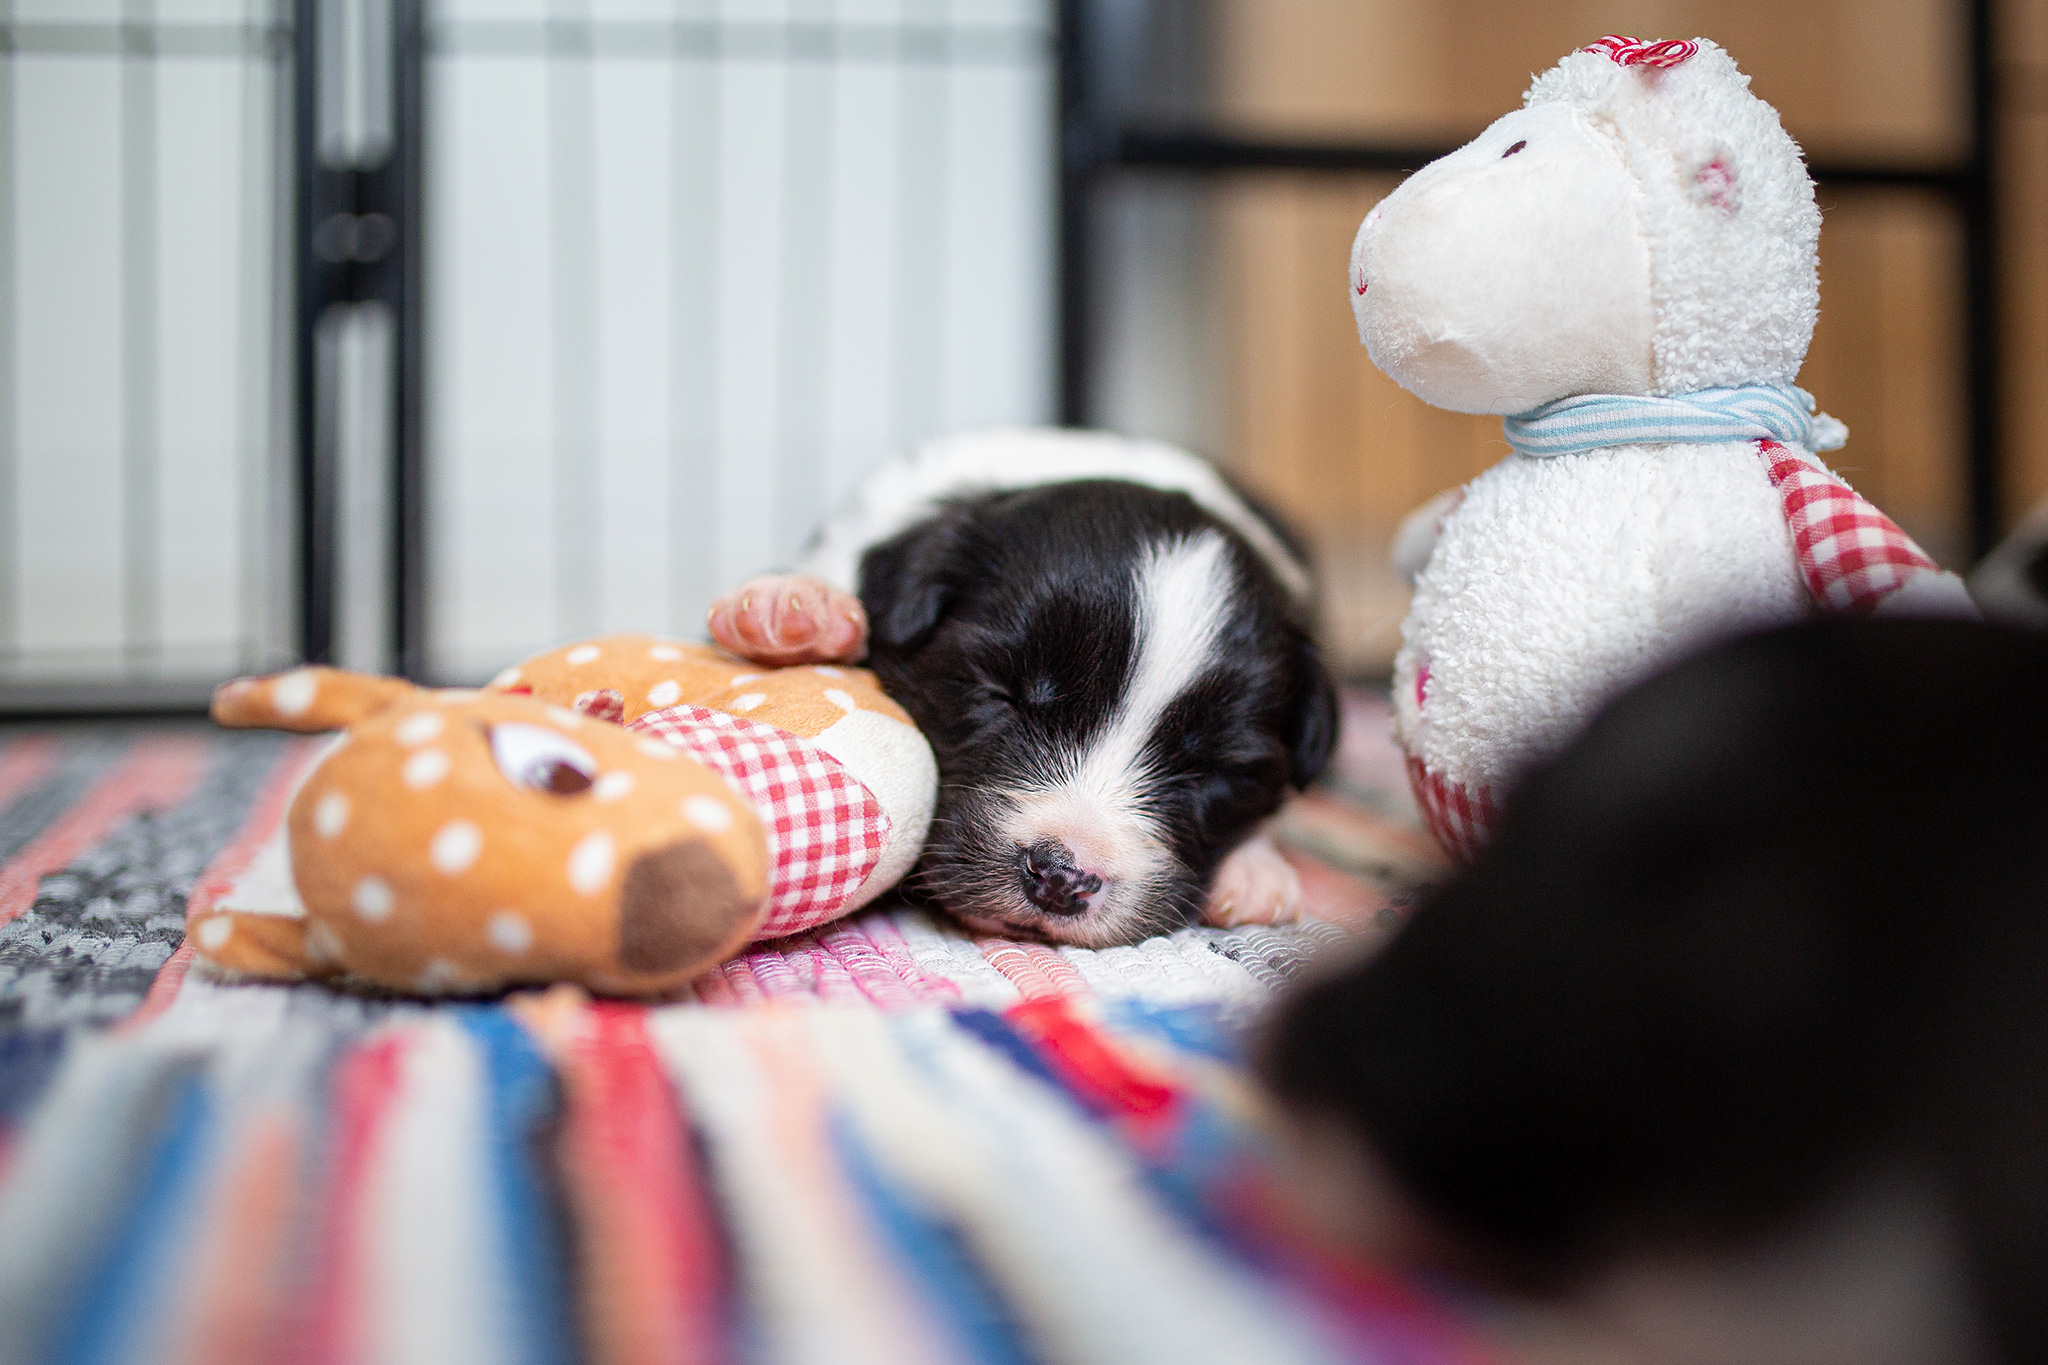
<point>1108,649</point>
<point>1735,1037</point>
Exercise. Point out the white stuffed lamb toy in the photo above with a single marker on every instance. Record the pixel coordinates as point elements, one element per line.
<point>1625,268</point>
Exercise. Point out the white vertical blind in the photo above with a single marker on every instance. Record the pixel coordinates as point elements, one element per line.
<point>693,269</point>
<point>138,198</point>
<point>67,351</point>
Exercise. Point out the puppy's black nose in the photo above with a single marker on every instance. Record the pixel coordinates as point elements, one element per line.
<point>1052,882</point>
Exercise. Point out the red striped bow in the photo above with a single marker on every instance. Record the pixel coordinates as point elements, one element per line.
<point>1625,51</point>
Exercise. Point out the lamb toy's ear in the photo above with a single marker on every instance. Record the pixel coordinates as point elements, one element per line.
<point>305,700</point>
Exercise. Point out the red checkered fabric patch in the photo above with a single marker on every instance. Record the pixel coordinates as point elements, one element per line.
<point>1460,817</point>
<point>1851,555</point>
<point>825,828</point>
<point>604,704</point>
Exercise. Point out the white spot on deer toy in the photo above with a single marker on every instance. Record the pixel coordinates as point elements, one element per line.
<point>1626,270</point>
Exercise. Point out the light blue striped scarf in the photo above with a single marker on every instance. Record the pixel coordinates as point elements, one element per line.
<point>1776,412</point>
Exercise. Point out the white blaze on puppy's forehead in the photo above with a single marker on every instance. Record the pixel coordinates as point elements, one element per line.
<point>1183,592</point>
<point>1183,604</point>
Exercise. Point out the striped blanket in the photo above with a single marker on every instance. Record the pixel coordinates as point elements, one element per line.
<point>888,1140</point>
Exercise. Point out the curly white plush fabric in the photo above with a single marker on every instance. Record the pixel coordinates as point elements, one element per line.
<point>1725,205</point>
<point>1555,583</point>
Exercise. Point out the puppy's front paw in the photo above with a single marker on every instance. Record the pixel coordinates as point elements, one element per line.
<point>1255,885</point>
<point>782,619</point>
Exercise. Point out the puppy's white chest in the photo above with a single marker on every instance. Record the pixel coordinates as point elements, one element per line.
<point>1558,581</point>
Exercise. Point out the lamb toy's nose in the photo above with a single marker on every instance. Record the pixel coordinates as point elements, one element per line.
<point>1052,882</point>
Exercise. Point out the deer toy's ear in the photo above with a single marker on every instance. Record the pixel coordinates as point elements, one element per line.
<point>305,699</point>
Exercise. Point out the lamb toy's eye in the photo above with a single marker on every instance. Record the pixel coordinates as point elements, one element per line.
<point>1512,150</point>
<point>541,760</point>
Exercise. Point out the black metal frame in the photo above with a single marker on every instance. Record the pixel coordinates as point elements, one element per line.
<point>1093,146</point>
<point>1983,323</point>
<point>357,239</point>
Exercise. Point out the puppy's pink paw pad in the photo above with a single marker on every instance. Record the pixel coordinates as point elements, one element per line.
<point>790,619</point>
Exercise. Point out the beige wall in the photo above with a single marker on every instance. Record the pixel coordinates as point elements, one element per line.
<point>2023,36</point>
<point>1876,78</point>
<point>1344,452</point>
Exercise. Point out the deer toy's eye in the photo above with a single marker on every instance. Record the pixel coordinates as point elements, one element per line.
<point>1512,150</point>
<point>538,759</point>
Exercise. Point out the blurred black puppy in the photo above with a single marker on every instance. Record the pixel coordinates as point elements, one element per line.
<point>1764,952</point>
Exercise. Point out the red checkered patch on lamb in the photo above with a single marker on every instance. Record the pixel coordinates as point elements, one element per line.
<point>1851,555</point>
<point>825,828</point>
<point>1459,817</point>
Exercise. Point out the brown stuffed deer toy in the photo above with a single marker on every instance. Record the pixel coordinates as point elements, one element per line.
<point>621,813</point>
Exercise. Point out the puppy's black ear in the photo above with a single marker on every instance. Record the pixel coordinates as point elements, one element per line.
<point>906,583</point>
<point>1312,731</point>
